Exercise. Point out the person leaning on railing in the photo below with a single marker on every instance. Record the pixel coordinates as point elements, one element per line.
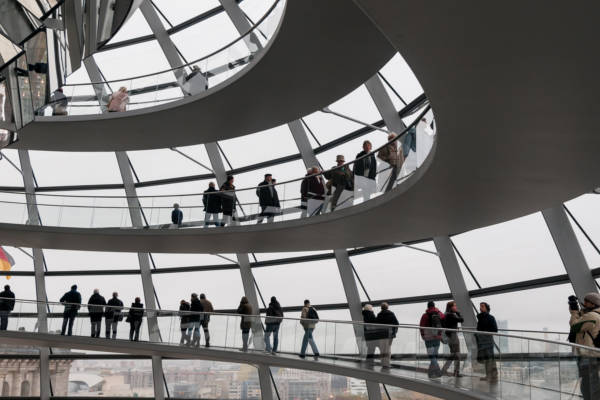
<point>135,317</point>
<point>113,315</point>
<point>118,100</point>
<point>7,304</point>
<point>393,155</point>
<point>72,302</point>
<point>585,330</point>
<point>340,178</point>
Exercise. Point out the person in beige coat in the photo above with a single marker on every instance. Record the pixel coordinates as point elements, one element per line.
<point>393,155</point>
<point>585,326</point>
<point>207,307</point>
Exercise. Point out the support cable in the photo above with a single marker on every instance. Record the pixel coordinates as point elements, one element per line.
<point>465,263</point>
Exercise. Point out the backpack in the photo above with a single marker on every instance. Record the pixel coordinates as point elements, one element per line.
<point>436,322</point>
<point>312,314</point>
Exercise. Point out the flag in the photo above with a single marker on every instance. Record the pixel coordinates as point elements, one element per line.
<point>6,261</point>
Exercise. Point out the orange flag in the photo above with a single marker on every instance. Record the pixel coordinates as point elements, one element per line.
<point>6,261</point>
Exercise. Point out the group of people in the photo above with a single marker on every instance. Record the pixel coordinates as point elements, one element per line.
<point>117,102</point>
<point>314,188</point>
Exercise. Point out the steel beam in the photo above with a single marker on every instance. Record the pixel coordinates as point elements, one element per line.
<point>303,144</point>
<point>570,251</point>
<point>241,23</point>
<point>384,104</point>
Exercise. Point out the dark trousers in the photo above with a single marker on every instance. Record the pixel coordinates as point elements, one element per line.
<point>134,329</point>
<point>4,320</point>
<point>589,367</point>
<point>68,318</point>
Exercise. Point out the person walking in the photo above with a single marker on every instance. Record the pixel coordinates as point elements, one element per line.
<point>59,102</point>
<point>113,315</point>
<point>387,317</point>
<point>585,328</point>
<point>268,199</point>
<point>340,178</point>
<point>72,303</point>
<point>430,320</point>
<point>452,318</point>
<point>118,101</point>
<point>392,154</point>
<point>135,317</point>
<point>176,215</point>
<point>194,320</point>
<point>95,307</point>
<point>211,199</point>
<point>228,200</point>
<point>272,323</point>
<point>207,308</point>
<point>184,322</point>
<point>309,318</point>
<point>365,171</point>
<point>485,343</point>
<point>245,310</point>
<point>370,331</point>
<point>7,304</point>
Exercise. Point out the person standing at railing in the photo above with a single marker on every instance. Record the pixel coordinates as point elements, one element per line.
<point>176,215</point>
<point>72,300</point>
<point>113,315</point>
<point>195,318</point>
<point>340,179</point>
<point>304,194</point>
<point>485,343</point>
<point>387,317</point>
<point>59,102</point>
<point>585,330</point>
<point>370,331</point>
<point>272,323</point>
<point>118,100</point>
<point>309,318</point>
<point>452,318</point>
<point>432,318</point>
<point>96,305</point>
<point>228,200</point>
<point>245,309</point>
<point>7,304</point>
<point>267,199</point>
<point>211,199</point>
<point>184,322</point>
<point>135,317</point>
<point>207,308</point>
<point>315,192</point>
<point>393,155</point>
<point>365,171</point>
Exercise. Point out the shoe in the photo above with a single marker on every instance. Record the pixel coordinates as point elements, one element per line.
<point>302,356</point>
<point>207,345</point>
<point>274,352</point>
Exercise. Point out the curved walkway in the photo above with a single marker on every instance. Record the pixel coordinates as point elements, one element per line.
<point>323,50</point>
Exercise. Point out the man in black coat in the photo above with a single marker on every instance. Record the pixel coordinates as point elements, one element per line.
<point>96,305</point>
<point>212,205</point>
<point>195,318</point>
<point>72,300</point>
<point>176,215</point>
<point>7,304</point>
<point>365,166</point>
<point>113,315</point>
<point>268,199</point>
<point>485,343</point>
<point>387,317</point>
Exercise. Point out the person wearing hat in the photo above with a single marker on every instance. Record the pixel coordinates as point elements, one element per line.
<point>72,303</point>
<point>585,327</point>
<point>341,178</point>
<point>485,343</point>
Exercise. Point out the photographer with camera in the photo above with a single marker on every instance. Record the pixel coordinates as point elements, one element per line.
<point>585,327</point>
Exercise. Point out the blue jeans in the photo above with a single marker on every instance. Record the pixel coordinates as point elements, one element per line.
<point>433,348</point>
<point>308,339</point>
<point>195,326</point>
<point>274,328</point>
<point>409,142</point>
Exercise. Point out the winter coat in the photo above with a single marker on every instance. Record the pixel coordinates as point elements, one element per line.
<point>341,177</point>
<point>207,307</point>
<point>177,216</point>
<point>267,194</point>
<point>451,321</point>
<point>196,307</point>
<point>304,191</point>
<point>246,310</point>
<point>212,202</point>
<point>370,331</point>
<point>315,187</point>
<point>110,312</point>
<point>387,317</point>
<point>184,315</point>
<point>136,312</point>
<point>72,296</point>
<point>228,198</point>
<point>431,334</point>
<point>274,310</point>
<point>7,300</point>
<point>118,101</point>
<point>361,166</point>
<point>96,305</point>
<point>486,323</point>
<point>586,326</point>
<point>392,154</point>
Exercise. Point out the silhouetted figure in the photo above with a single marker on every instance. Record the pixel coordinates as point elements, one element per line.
<point>309,318</point>
<point>268,199</point>
<point>432,318</point>
<point>451,320</point>
<point>195,318</point>
<point>7,304</point>
<point>136,315</point>
<point>184,322</point>
<point>228,200</point>
<point>113,315</point>
<point>72,301</point>
<point>340,179</point>
<point>207,308</point>
<point>211,199</point>
<point>485,343</point>
<point>272,323</point>
<point>176,215</point>
<point>387,317</point>
<point>96,305</point>
<point>245,310</point>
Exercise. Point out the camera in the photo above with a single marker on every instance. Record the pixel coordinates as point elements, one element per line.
<point>573,303</point>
